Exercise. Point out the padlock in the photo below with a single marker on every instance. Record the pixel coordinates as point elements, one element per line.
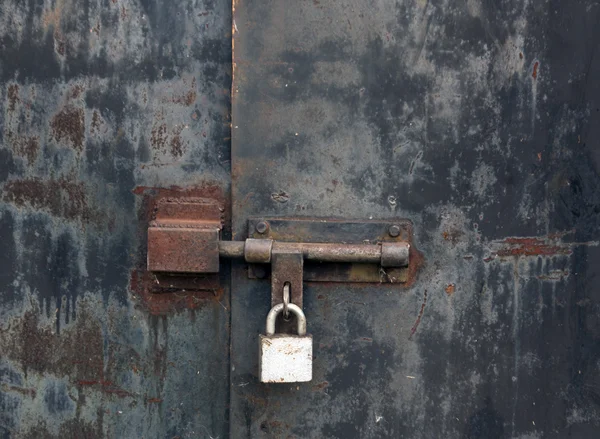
<point>285,358</point>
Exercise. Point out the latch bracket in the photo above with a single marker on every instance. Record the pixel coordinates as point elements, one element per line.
<point>184,238</point>
<point>376,251</point>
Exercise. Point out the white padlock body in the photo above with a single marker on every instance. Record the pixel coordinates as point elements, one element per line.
<point>285,358</point>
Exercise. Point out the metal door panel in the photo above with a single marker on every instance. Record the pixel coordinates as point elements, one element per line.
<point>476,121</point>
<point>108,106</point>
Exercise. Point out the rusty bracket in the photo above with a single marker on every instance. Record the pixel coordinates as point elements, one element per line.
<point>183,236</point>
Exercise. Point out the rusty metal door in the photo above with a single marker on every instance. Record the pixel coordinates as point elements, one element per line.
<point>477,121</point>
<point>107,108</point>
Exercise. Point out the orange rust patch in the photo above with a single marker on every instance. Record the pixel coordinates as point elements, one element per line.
<point>320,386</point>
<point>187,99</point>
<point>450,289</point>
<point>419,316</point>
<point>62,198</point>
<point>532,247</point>
<point>13,96</point>
<point>78,352</point>
<point>176,146</point>
<point>452,235</point>
<point>416,262</point>
<point>534,74</point>
<point>158,136</point>
<point>27,147</point>
<point>69,125</point>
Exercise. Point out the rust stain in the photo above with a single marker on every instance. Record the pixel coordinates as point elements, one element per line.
<point>532,247</point>
<point>62,198</point>
<point>320,386</point>
<point>416,262</point>
<point>187,99</point>
<point>69,124</point>
<point>158,136</point>
<point>13,97</point>
<point>453,235</point>
<point>534,74</point>
<point>176,146</point>
<point>59,43</point>
<point>26,147</point>
<point>450,288</point>
<point>154,400</point>
<point>147,294</point>
<point>164,141</point>
<point>96,122</point>
<point>419,316</point>
<point>78,352</point>
<point>76,91</point>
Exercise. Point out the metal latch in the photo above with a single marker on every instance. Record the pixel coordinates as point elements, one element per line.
<point>184,238</point>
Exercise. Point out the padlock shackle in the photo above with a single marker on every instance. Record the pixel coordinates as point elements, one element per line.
<point>277,309</point>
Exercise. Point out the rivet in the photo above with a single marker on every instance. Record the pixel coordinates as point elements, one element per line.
<point>260,272</point>
<point>262,227</point>
<point>394,231</point>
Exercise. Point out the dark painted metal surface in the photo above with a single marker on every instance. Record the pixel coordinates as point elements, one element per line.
<point>108,106</point>
<point>477,120</point>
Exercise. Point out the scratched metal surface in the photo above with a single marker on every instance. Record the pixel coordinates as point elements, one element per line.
<point>106,107</point>
<point>477,120</point>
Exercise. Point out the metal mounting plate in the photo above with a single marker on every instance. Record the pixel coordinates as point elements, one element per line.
<point>183,250</point>
<point>334,231</point>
